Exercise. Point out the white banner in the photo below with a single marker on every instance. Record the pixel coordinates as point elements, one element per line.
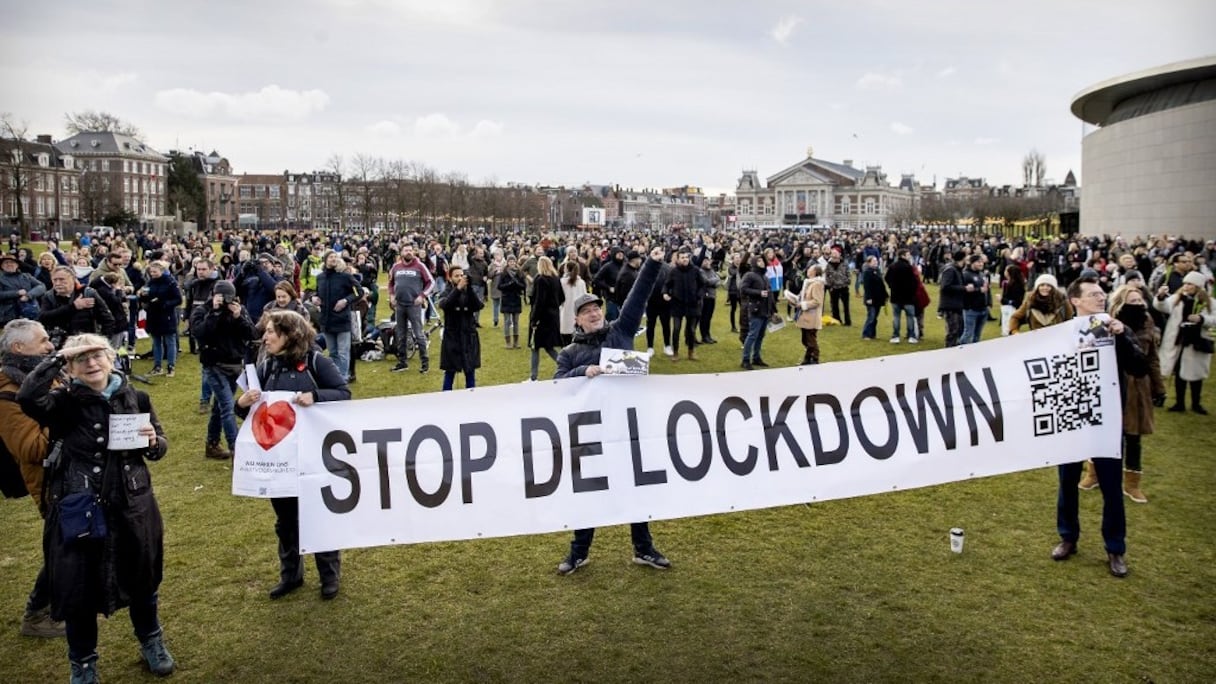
<point>560,455</point>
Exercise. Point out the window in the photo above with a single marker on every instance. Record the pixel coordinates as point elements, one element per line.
<point>274,192</point>
<point>38,182</point>
<point>126,166</point>
<point>126,184</point>
<point>246,192</point>
<point>844,205</point>
<point>41,206</point>
<point>870,209</point>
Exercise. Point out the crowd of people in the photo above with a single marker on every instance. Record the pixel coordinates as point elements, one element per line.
<point>71,315</point>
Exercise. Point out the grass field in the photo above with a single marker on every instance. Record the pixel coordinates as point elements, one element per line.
<point>859,590</point>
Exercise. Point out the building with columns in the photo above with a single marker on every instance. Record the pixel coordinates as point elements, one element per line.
<point>816,191</point>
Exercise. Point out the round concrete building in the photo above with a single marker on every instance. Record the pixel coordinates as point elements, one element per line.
<point>1150,167</point>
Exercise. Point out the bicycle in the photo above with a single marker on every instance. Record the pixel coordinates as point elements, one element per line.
<point>431,323</point>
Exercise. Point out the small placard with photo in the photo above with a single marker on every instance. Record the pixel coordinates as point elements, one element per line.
<point>624,362</point>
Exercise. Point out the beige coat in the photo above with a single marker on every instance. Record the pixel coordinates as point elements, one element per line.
<point>1195,366</point>
<point>811,303</point>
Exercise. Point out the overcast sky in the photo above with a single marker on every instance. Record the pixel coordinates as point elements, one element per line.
<point>644,94</point>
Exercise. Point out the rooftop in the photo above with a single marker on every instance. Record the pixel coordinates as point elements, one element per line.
<point>1095,104</point>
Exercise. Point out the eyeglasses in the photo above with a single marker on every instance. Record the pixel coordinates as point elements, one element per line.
<point>1095,295</point>
<point>85,359</point>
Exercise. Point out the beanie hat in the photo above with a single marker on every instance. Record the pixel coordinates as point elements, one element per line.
<point>1046,279</point>
<point>223,287</point>
<point>1132,275</point>
<point>1196,278</point>
<point>959,255</point>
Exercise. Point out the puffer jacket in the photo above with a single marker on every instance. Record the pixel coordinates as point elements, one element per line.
<point>333,286</point>
<point>686,289</point>
<point>160,298</point>
<point>584,351</point>
<point>98,577</point>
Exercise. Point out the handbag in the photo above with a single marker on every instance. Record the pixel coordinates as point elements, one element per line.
<point>81,517</point>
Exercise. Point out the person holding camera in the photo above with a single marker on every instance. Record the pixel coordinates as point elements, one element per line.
<point>1186,351</point>
<point>70,308</point>
<point>104,536</point>
<point>224,330</point>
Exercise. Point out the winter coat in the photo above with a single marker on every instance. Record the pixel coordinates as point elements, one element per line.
<point>951,289</point>
<point>545,318</point>
<point>222,337</point>
<point>901,278</point>
<point>316,374</point>
<point>624,284</point>
<point>1195,365</point>
<point>461,348</point>
<point>160,300</point>
<point>255,286</point>
<point>836,275</point>
<point>811,303</point>
<point>24,439</point>
<point>686,289</point>
<point>569,294</point>
<point>116,302</point>
<point>873,291</point>
<point>511,286</point>
<point>1037,312</point>
<point>10,285</point>
<point>59,313</point>
<point>334,286</point>
<point>584,351</point>
<point>1138,403</point>
<point>752,286</point>
<point>976,299</point>
<point>101,576</point>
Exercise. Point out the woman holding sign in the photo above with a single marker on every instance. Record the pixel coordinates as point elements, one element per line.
<point>104,538</point>
<point>292,364</point>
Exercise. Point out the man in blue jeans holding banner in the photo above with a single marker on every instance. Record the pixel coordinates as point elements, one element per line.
<point>592,333</point>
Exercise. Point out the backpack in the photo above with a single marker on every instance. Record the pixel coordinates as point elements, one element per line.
<point>310,366</point>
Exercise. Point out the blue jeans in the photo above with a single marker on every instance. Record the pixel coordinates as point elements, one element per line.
<point>496,307</point>
<point>449,379</point>
<point>870,329</point>
<point>973,325</point>
<point>899,310</point>
<point>639,534</point>
<point>1114,521</point>
<point>164,347</point>
<point>222,389</point>
<point>757,326</point>
<point>338,345</point>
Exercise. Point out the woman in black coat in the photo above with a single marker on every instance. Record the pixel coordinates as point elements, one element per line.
<point>291,364</point>
<point>161,298</point>
<point>545,319</point>
<point>99,572</point>
<point>461,348</point>
<point>511,286</point>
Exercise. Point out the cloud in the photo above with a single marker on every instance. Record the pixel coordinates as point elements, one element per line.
<point>875,81</point>
<point>900,129</point>
<point>384,129</point>
<point>785,27</point>
<point>439,125</point>
<point>271,103</point>
<point>116,81</point>
<point>947,72</point>
<point>987,141</point>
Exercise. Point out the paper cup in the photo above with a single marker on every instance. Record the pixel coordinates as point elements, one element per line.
<point>956,540</point>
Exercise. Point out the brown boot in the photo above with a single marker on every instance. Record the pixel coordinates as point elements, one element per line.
<point>1131,486</point>
<point>506,342</point>
<point>692,354</point>
<point>217,452</point>
<point>1090,480</point>
<point>515,341</point>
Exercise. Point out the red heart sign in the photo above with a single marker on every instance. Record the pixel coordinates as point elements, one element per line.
<point>273,422</point>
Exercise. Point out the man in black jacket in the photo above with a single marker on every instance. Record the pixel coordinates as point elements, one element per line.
<point>70,308</point>
<point>874,293</point>
<point>901,278</point>
<point>950,301</point>
<point>224,331</point>
<point>592,332</point>
<point>684,292</point>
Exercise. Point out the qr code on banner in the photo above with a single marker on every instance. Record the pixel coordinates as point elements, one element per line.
<point>1066,391</point>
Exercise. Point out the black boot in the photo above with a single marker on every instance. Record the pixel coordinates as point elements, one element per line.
<point>1196,392</point>
<point>1179,395</point>
<point>329,567</point>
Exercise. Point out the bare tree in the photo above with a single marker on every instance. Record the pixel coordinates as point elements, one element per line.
<point>89,121</point>
<point>16,179</point>
<point>1034,169</point>
<point>364,172</point>
<point>337,167</point>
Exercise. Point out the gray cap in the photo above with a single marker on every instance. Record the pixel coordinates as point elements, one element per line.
<point>585,299</point>
<point>223,287</point>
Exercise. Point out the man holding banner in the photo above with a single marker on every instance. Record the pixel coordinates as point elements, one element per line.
<point>582,358</point>
<point>1088,299</point>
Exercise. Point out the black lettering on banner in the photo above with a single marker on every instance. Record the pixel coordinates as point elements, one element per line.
<point>777,429</point>
<point>878,451</point>
<point>640,477</point>
<point>468,465</point>
<point>342,469</point>
<point>836,455</point>
<point>919,424</point>
<point>579,449</point>
<point>439,437</point>
<point>381,438</point>
<point>532,488</point>
<point>698,471</point>
<point>748,464</point>
<point>972,400</point>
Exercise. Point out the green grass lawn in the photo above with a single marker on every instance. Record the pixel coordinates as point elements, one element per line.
<point>858,590</point>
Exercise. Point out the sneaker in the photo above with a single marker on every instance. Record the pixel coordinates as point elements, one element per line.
<point>894,340</point>
<point>85,671</point>
<point>913,340</point>
<point>668,350</point>
<point>426,366</point>
<point>759,362</point>
<point>746,365</point>
<point>568,566</point>
<point>652,558</point>
<point>171,372</point>
<point>401,366</point>
<point>39,624</point>
<point>204,407</point>
<point>641,331</point>
<point>156,655</point>
<point>649,351</point>
<point>156,371</point>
